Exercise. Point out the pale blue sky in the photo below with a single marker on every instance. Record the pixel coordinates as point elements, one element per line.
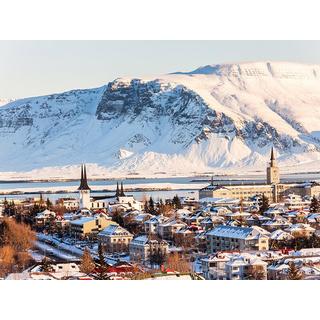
<point>30,68</point>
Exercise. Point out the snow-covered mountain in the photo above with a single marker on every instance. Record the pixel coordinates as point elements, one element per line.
<point>4,101</point>
<point>215,118</point>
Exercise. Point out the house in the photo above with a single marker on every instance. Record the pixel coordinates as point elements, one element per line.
<point>167,229</point>
<point>185,236</point>
<point>297,216</point>
<point>226,238</point>
<point>43,217</point>
<point>115,238</point>
<point>213,267</point>
<point>300,230</point>
<point>257,220</point>
<point>86,225</point>
<point>195,218</point>
<point>245,266</point>
<point>280,235</point>
<point>314,220</point>
<point>234,266</point>
<point>69,203</point>
<point>56,271</point>
<point>141,247</point>
<point>276,223</point>
<point>151,225</point>
<point>294,201</point>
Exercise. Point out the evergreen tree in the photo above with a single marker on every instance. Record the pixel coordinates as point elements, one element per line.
<point>294,273</point>
<point>45,265</point>
<point>117,190</point>
<point>176,202</point>
<point>264,204</point>
<point>48,203</point>
<point>41,202</point>
<point>151,205</point>
<point>101,265</point>
<point>314,205</point>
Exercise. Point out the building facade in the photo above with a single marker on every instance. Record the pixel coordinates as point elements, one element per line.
<point>229,238</point>
<point>273,189</point>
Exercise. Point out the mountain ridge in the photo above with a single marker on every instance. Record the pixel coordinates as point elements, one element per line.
<point>214,118</point>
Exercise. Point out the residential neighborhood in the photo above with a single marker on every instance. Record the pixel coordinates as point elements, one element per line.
<point>118,237</point>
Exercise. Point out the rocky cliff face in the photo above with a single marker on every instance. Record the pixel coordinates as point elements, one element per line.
<point>220,116</point>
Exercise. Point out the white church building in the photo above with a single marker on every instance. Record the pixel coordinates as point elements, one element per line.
<point>120,201</point>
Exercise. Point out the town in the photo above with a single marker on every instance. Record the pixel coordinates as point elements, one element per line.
<point>266,231</point>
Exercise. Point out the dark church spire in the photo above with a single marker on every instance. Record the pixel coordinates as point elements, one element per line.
<point>121,190</point>
<point>272,154</point>
<point>83,181</point>
<point>117,191</point>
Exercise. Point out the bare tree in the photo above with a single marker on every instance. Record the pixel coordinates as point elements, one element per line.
<point>87,265</point>
<point>178,262</point>
<point>256,272</point>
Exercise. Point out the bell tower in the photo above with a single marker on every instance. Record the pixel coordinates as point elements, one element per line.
<point>84,189</point>
<point>273,176</point>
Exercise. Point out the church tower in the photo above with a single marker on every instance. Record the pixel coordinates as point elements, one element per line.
<point>273,176</point>
<point>84,189</point>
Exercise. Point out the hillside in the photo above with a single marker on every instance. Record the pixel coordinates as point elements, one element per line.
<point>217,118</point>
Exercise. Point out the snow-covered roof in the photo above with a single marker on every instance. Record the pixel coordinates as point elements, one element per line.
<point>280,235</point>
<point>113,230</point>
<point>82,220</point>
<point>238,232</point>
<point>230,232</point>
<point>299,227</point>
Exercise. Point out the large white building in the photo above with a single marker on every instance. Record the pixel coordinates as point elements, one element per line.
<point>84,190</point>
<point>271,188</point>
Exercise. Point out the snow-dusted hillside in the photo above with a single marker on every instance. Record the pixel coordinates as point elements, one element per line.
<point>215,118</point>
<point>5,101</point>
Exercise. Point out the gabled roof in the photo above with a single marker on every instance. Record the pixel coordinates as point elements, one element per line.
<point>113,230</point>
<point>238,232</point>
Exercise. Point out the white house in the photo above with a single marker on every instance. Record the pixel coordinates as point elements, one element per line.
<point>141,247</point>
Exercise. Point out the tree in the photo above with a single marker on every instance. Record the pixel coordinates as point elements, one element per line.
<point>256,272</point>
<point>48,203</point>
<point>264,204</point>
<point>294,273</point>
<point>7,260</point>
<point>15,241</point>
<point>17,235</point>
<point>87,264</point>
<point>177,262</point>
<point>151,205</point>
<point>176,202</point>
<point>314,205</point>
<point>101,265</point>
<point>45,265</point>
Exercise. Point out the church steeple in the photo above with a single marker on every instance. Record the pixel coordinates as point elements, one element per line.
<point>117,190</point>
<point>121,190</point>
<point>272,158</point>
<point>272,155</point>
<point>273,175</point>
<point>83,181</point>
